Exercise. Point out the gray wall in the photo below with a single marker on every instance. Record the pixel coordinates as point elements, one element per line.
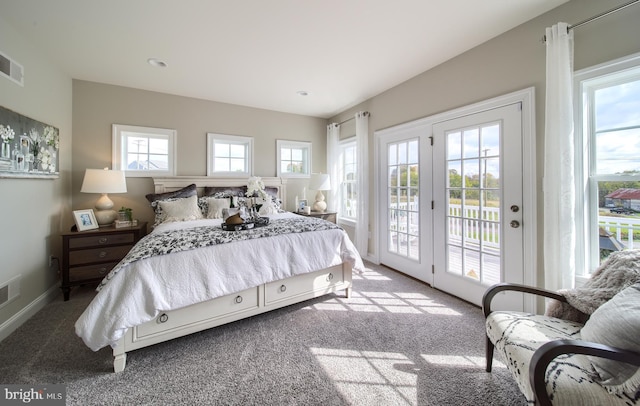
<point>97,106</point>
<point>32,210</point>
<point>509,62</point>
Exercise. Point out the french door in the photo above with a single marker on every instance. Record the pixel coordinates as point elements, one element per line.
<point>451,193</point>
<point>405,167</point>
<point>477,173</point>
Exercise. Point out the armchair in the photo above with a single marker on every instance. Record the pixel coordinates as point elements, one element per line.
<point>550,359</point>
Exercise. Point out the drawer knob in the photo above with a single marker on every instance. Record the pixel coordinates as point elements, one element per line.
<point>102,271</point>
<point>329,277</point>
<point>163,318</point>
<point>283,288</point>
<point>238,299</point>
<point>103,240</point>
<point>102,254</point>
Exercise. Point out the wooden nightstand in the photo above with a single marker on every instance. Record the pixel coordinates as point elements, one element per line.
<point>331,216</point>
<point>87,256</point>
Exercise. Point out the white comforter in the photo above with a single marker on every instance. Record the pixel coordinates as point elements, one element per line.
<point>145,288</point>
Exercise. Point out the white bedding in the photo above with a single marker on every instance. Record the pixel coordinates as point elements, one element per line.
<point>145,288</point>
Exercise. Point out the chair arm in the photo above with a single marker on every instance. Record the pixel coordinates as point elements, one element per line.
<point>547,352</point>
<point>495,289</point>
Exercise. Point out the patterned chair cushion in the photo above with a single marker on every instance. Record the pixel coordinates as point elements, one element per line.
<point>570,378</point>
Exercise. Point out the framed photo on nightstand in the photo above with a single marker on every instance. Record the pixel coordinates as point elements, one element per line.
<point>85,219</point>
<point>301,205</point>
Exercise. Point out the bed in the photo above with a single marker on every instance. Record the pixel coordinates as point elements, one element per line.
<point>189,275</point>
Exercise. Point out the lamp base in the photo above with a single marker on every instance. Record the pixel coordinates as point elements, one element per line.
<point>319,205</point>
<point>105,218</point>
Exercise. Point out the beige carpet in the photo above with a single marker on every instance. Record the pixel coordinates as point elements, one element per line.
<point>395,342</point>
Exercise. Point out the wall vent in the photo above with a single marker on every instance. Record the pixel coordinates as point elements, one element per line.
<point>11,69</point>
<point>4,294</point>
<point>10,290</point>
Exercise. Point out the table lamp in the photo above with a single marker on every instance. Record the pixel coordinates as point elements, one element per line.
<point>104,181</point>
<point>320,182</point>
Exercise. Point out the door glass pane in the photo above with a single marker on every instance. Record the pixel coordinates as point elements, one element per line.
<point>473,212</point>
<point>403,199</point>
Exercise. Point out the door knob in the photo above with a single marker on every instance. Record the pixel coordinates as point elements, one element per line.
<point>515,223</point>
<point>515,208</point>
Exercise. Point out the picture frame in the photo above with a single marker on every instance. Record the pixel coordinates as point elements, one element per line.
<point>85,219</point>
<point>302,204</point>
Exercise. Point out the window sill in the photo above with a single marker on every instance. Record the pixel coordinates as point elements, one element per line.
<point>347,222</point>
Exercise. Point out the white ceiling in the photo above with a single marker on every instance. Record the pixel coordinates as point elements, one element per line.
<point>259,53</point>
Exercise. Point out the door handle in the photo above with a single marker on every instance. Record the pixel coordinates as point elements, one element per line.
<point>515,208</point>
<point>515,223</point>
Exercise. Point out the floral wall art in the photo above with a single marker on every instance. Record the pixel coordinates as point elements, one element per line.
<point>29,148</point>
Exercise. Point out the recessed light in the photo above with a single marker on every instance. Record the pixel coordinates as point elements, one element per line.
<point>302,93</point>
<point>157,62</point>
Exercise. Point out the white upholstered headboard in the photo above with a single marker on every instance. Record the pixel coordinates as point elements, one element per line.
<point>172,183</point>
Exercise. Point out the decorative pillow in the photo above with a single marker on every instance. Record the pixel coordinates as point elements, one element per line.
<point>180,209</point>
<point>224,191</point>
<point>186,191</point>
<point>216,205</point>
<point>617,323</point>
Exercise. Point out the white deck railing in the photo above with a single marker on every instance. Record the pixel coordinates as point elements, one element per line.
<point>622,228</point>
<point>467,224</point>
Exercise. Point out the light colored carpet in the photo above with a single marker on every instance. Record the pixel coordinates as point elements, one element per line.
<point>395,342</point>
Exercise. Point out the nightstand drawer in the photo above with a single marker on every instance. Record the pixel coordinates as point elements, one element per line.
<point>98,255</point>
<point>99,240</point>
<point>81,273</point>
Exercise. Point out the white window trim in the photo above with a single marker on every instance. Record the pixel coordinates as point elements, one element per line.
<point>293,144</point>
<point>116,150</point>
<point>238,139</point>
<point>586,261</point>
<point>349,221</point>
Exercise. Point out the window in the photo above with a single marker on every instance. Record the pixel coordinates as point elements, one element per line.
<point>348,172</point>
<point>608,132</point>
<point>294,159</point>
<point>143,151</point>
<point>229,155</point>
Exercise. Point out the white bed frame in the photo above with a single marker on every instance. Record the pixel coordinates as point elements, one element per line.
<point>226,309</point>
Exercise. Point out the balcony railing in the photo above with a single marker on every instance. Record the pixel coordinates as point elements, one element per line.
<point>624,229</point>
<point>464,223</point>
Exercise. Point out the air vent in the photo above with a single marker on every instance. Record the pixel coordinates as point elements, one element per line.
<point>10,290</point>
<point>11,69</point>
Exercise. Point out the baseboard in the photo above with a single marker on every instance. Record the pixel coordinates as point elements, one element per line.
<point>28,311</point>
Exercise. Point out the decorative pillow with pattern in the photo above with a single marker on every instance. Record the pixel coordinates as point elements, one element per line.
<point>617,324</point>
<point>155,198</point>
<point>186,191</point>
<point>180,209</point>
<point>216,205</point>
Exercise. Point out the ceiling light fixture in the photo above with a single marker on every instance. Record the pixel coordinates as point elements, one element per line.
<point>157,62</point>
<point>302,93</point>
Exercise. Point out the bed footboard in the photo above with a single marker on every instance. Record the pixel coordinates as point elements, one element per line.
<point>226,309</point>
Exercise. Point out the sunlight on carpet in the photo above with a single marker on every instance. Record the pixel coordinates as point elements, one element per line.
<point>381,375</point>
<point>391,302</point>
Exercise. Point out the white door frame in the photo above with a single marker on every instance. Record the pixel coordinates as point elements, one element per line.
<point>529,195</point>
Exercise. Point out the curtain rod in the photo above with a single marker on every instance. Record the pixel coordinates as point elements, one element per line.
<point>354,117</point>
<point>598,16</point>
<point>364,112</point>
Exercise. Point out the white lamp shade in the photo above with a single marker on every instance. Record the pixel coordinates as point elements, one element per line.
<point>320,181</point>
<point>103,181</point>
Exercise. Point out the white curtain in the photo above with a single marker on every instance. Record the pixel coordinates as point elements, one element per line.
<point>333,156</point>
<point>362,159</point>
<point>558,182</point>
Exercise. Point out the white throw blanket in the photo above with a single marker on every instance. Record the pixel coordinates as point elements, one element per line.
<point>145,288</point>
